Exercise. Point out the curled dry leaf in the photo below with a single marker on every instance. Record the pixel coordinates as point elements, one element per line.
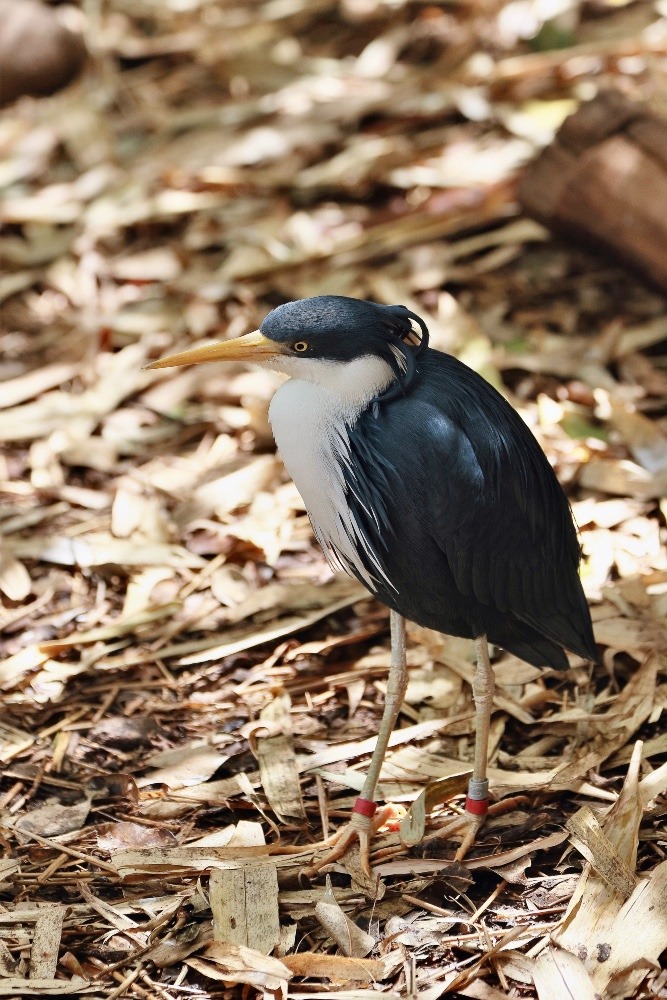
<point>413,826</point>
<point>278,769</point>
<point>180,768</point>
<point>232,963</point>
<point>560,974</point>
<point>125,835</point>
<point>350,938</point>
<point>335,967</point>
<point>15,580</point>
<point>54,818</point>
<point>611,922</point>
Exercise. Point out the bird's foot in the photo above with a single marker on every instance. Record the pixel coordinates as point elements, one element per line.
<point>471,821</point>
<point>364,823</point>
<point>474,816</point>
<point>467,826</point>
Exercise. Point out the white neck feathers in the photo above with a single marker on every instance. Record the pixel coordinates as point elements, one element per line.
<point>311,415</point>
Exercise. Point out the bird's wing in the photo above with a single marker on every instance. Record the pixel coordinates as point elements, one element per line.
<point>490,515</point>
<point>497,511</point>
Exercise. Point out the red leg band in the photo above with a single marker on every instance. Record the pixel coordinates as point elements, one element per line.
<point>365,807</point>
<point>478,807</point>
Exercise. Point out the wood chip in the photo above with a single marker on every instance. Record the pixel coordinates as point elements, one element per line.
<point>244,903</point>
<point>46,943</point>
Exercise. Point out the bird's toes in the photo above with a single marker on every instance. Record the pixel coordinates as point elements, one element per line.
<point>470,831</point>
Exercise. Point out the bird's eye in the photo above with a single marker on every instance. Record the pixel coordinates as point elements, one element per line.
<point>300,346</point>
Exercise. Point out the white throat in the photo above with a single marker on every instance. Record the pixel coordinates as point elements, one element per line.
<point>311,415</point>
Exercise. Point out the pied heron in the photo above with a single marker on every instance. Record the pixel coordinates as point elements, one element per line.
<point>422,482</point>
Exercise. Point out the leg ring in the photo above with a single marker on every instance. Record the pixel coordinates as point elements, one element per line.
<point>365,807</point>
<point>477,801</point>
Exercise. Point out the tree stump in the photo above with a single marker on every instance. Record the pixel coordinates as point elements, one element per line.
<point>603,180</point>
<point>38,54</point>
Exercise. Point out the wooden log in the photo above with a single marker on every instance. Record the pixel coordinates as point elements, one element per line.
<point>38,53</point>
<point>603,181</point>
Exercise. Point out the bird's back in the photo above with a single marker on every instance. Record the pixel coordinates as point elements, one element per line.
<point>471,527</point>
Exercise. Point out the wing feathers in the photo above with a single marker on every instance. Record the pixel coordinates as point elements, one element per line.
<point>499,513</point>
<point>452,467</point>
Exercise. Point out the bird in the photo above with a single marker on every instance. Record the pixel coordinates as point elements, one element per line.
<point>422,481</point>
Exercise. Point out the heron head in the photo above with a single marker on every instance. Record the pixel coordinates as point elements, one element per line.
<point>329,329</point>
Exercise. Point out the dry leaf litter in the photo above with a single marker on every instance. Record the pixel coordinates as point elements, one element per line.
<point>189,697</point>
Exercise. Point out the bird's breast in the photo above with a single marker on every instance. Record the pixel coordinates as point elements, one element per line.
<point>311,428</point>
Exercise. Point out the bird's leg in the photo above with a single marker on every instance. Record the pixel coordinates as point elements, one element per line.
<point>364,821</point>
<point>397,683</point>
<point>477,800</point>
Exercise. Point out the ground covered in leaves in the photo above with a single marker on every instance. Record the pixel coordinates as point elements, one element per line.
<point>187,691</point>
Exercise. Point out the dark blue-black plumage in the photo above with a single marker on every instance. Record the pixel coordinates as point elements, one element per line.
<point>459,503</point>
<point>476,532</point>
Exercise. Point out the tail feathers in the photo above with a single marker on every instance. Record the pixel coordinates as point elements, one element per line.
<point>573,632</point>
<point>542,643</point>
<point>538,651</point>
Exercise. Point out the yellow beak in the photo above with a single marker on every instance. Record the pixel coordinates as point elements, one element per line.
<point>252,347</point>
